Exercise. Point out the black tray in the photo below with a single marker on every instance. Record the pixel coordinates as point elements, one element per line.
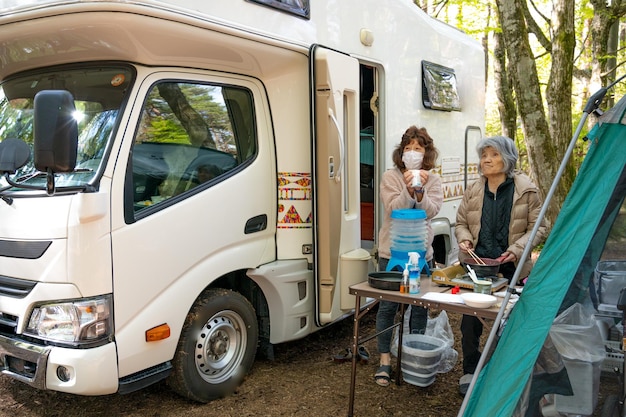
<point>389,280</point>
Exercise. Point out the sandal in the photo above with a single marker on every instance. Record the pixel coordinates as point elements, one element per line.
<point>383,375</point>
<point>344,356</point>
<point>364,355</point>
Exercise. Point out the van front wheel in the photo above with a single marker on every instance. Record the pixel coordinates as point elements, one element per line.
<point>216,348</point>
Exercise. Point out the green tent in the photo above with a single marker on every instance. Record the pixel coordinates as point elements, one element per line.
<point>564,270</point>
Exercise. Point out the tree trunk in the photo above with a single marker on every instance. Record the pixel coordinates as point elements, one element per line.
<point>559,89</point>
<point>197,129</point>
<point>504,93</point>
<point>604,18</point>
<point>541,151</point>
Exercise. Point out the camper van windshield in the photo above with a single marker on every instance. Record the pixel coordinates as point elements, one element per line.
<point>98,92</point>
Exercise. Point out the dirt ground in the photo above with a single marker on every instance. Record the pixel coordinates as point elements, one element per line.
<point>303,380</point>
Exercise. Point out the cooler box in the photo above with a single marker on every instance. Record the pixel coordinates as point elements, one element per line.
<point>609,279</point>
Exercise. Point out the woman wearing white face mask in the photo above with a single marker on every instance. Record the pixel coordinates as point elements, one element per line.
<point>416,151</point>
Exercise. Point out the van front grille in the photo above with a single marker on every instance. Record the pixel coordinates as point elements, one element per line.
<point>14,287</point>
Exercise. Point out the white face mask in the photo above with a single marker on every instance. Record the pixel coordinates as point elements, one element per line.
<point>412,159</point>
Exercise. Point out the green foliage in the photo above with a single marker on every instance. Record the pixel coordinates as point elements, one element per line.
<point>492,125</point>
<point>15,119</point>
<point>477,18</point>
<point>167,131</point>
<point>584,11</point>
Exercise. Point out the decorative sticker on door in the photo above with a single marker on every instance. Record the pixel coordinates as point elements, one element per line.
<point>294,200</point>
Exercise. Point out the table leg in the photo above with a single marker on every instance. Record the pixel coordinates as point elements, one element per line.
<point>355,347</point>
<point>484,322</point>
<point>400,334</point>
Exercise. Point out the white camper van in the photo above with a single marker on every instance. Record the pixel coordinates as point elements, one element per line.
<point>186,183</point>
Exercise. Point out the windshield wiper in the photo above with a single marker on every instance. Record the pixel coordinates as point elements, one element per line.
<point>19,183</point>
<point>38,174</point>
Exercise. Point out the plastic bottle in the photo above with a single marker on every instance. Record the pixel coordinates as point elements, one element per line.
<point>414,273</point>
<point>404,285</point>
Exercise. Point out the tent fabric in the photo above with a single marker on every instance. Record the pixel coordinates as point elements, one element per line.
<point>562,273</point>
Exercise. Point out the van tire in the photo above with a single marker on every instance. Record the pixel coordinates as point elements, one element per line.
<point>216,348</point>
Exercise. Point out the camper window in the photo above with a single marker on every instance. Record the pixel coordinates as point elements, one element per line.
<point>439,89</point>
<point>190,136</point>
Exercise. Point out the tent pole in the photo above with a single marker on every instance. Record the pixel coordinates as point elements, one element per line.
<point>592,104</point>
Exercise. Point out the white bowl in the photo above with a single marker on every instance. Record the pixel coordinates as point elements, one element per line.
<point>477,300</point>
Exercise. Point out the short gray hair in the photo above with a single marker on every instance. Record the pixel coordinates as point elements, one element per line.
<point>505,147</point>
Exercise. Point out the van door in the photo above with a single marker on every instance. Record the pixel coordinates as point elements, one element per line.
<point>199,201</point>
<point>336,208</point>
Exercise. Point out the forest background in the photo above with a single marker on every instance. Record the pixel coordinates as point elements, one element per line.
<point>545,59</point>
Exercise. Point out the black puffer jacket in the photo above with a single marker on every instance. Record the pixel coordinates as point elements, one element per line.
<point>493,239</point>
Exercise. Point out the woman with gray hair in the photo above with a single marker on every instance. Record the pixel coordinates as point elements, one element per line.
<point>495,219</point>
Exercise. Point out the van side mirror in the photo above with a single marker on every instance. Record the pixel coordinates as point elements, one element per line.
<point>55,131</point>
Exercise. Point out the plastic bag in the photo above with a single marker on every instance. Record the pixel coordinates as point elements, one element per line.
<point>576,335</point>
<point>437,327</point>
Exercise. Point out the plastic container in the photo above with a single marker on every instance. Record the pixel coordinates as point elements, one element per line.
<point>406,245</point>
<point>585,380</point>
<point>404,285</point>
<point>576,336</point>
<point>421,356</point>
<point>417,179</point>
<point>408,233</point>
<point>483,286</point>
<point>419,369</point>
<point>420,351</point>
<point>354,267</point>
<point>414,273</point>
<point>415,378</point>
<point>609,279</point>
<point>408,230</point>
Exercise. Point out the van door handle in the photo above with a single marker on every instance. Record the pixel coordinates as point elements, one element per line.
<point>256,224</point>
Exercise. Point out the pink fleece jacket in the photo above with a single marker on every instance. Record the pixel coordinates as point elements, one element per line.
<point>394,195</point>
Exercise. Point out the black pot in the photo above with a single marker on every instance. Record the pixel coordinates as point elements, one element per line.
<point>490,269</point>
<point>388,280</point>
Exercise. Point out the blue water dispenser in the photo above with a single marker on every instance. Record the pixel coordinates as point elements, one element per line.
<point>408,234</point>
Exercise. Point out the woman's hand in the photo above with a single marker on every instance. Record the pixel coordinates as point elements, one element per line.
<point>415,192</point>
<point>466,245</point>
<point>408,180</point>
<point>408,177</point>
<point>507,257</point>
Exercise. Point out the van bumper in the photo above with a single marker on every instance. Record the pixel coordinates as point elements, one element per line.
<point>88,371</point>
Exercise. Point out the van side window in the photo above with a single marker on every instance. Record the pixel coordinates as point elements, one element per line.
<point>190,137</point>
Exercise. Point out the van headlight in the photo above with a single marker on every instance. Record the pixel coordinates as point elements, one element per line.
<point>75,322</point>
